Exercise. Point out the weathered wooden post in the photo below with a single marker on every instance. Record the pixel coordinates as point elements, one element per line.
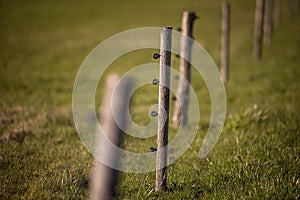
<point>104,178</point>
<point>287,7</point>
<point>258,30</point>
<point>276,12</point>
<point>225,32</point>
<point>163,109</point>
<point>296,6</point>
<point>182,101</point>
<point>290,7</point>
<point>268,21</point>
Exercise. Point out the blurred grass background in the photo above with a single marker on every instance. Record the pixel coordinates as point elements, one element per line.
<point>42,46</point>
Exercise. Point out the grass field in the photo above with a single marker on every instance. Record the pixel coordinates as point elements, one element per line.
<point>42,46</point>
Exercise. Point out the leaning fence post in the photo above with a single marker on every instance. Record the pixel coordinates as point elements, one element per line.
<point>182,101</point>
<point>225,31</point>
<point>163,109</point>
<point>268,21</point>
<point>112,118</point>
<point>258,30</point>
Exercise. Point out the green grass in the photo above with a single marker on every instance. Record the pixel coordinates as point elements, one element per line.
<point>42,46</point>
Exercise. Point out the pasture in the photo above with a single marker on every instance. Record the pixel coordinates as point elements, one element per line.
<point>42,45</point>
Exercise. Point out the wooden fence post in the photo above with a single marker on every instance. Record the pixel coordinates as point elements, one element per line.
<point>276,12</point>
<point>286,7</point>
<point>182,101</point>
<point>296,7</point>
<point>163,109</point>
<point>290,7</point>
<point>258,30</point>
<point>104,179</point>
<point>268,21</point>
<point>225,31</point>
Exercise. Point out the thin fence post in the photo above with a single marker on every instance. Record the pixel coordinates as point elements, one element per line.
<point>296,6</point>
<point>286,7</point>
<point>163,109</point>
<point>104,179</point>
<point>268,21</point>
<point>225,32</point>
<point>258,30</point>
<point>289,7</point>
<point>276,12</point>
<point>182,101</point>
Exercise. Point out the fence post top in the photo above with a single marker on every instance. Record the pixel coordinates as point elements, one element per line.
<point>190,14</point>
<point>168,27</point>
